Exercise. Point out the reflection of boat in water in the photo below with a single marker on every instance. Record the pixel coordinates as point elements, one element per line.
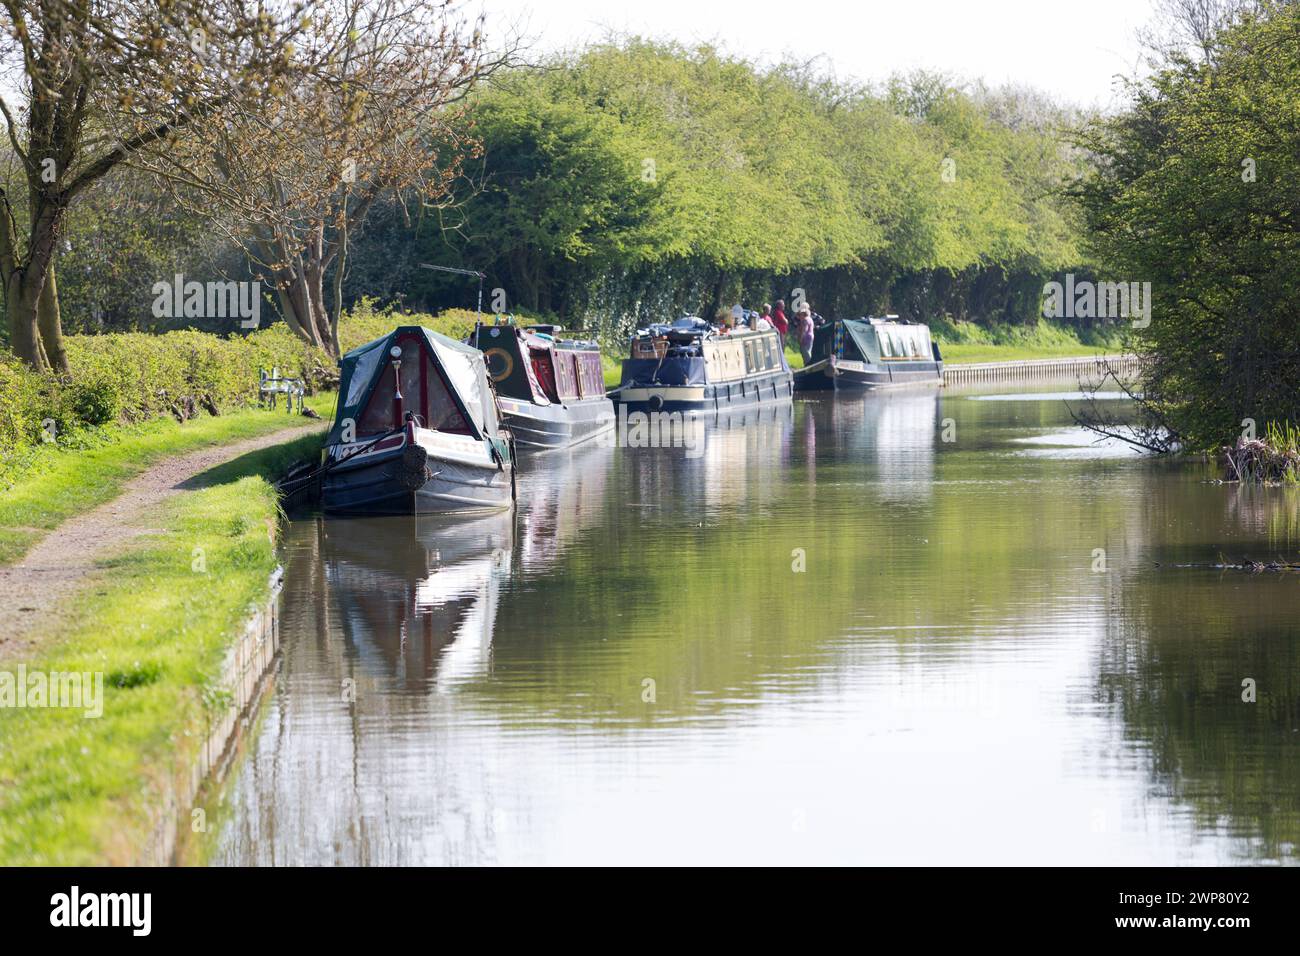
<point>419,594</point>
<point>416,430</point>
<point>871,353</point>
<point>560,500</point>
<point>692,365</point>
<point>898,431</point>
<point>731,457</point>
<point>551,389</point>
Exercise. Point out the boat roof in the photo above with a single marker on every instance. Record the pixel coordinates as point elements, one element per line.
<point>362,367</point>
<point>693,325</point>
<point>548,334</point>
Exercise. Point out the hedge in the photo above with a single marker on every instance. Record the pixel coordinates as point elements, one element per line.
<point>123,378</point>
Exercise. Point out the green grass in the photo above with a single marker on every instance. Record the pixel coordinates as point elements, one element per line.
<point>77,790</point>
<point>612,365</point>
<point>965,353</point>
<point>967,342</point>
<point>61,481</point>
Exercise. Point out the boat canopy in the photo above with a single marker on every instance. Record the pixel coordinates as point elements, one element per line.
<point>864,337</point>
<point>901,341</point>
<point>873,340</point>
<point>459,399</point>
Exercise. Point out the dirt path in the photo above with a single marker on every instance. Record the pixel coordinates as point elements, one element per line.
<point>33,590</point>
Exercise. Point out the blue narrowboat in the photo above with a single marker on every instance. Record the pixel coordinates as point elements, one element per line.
<point>694,366</point>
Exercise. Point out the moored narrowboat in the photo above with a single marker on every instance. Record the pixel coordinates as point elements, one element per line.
<point>417,430</point>
<point>871,353</point>
<point>693,366</point>
<point>550,388</point>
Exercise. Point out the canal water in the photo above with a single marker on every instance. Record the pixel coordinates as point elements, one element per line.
<point>898,629</point>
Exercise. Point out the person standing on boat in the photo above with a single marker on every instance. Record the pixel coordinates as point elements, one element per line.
<point>779,320</point>
<point>803,324</point>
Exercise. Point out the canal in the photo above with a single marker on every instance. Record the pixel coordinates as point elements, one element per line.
<point>900,629</point>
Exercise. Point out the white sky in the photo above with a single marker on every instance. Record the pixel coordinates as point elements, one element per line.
<point>1072,50</point>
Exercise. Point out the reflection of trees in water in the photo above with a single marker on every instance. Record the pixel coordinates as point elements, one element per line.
<point>1272,513</point>
<point>687,578</point>
<point>1174,660</point>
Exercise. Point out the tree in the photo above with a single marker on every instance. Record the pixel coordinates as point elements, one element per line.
<point>635,179</point>
<point>102,82</point>
<point>1193,190</point>
<point>379,115</point>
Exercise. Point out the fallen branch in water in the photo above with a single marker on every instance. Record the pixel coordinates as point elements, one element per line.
<point>1248,565</point>
<point>1154,436</point>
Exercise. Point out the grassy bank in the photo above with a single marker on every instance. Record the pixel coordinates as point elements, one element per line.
<point>58,481</point>
<point>967,342</point>
<point>156,620</point>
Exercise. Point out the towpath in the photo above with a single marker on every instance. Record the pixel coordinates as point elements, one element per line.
<point>35,588</point>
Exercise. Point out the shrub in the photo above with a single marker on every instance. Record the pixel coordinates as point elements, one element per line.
<point>134,376</point>
<point>1273,458</point>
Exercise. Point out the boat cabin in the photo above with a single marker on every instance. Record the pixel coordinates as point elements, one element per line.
<point>535,364</point>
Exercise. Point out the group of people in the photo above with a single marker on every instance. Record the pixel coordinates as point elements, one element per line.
<point>798,329</point>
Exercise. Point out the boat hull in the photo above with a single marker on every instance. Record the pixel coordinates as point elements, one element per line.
<point>556,426</point>
<point>375,487</point>
<point>771,389</point>
<point>822,376</point>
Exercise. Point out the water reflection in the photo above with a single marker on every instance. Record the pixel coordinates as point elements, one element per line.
<point>415,598</point>
<point>1189,646</point>
<point>830,636</point>
<point>563,492</point>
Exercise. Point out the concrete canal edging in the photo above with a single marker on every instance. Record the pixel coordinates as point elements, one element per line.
<point>1028,370</point>
<point>247,661</point>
